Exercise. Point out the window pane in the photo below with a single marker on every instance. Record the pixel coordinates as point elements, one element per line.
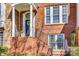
<point>55,14</point>
<point>60,41</point>
<point>48,11</point>
<point>60,37</point>
<point>64,9</point>
<point>47,19</point>
<point>55,10</point>
<point>56,19</point>
<point>64,18</point>
<point>48,15</point>
<point>64,13</point>
<point>60,46</point>
<point>52,41</point>
<point>52,38</point>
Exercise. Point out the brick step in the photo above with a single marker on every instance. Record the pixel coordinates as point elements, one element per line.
<point>23,44</point>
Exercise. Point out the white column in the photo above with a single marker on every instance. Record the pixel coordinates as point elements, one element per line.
<point>3,14</point>
<point>31,20</point>
<point>34,26</point>
<point>77,15</point>
<point>13,20</point>
<point>24,24</point>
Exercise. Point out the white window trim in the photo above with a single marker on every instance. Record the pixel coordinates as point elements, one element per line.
<point>60,15</point>
<point>45,16</point>
<point>51,14</point>
<point>56,40</point>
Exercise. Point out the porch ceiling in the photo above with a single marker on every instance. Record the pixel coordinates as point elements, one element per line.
<point>22,7</point>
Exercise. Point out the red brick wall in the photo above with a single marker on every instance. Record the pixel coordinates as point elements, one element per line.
<point>56,28</point>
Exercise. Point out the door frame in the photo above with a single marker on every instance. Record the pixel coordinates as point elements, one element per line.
<point>24,17</point>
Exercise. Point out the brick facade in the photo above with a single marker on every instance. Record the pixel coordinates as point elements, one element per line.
<point>57,28</point>
<point>41,30</point>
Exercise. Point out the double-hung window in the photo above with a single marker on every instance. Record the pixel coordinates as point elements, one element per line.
<point>56,14</point>
<point>56,41</point>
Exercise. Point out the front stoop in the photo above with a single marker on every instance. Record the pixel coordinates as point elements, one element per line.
<point>31,45</point>
<point>22,44</point>
<point>28,45</point>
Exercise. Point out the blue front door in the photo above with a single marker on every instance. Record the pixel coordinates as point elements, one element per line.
<point>27,27</point>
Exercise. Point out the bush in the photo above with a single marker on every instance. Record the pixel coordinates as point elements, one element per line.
<point>75,51</point>
<point>3,50</point>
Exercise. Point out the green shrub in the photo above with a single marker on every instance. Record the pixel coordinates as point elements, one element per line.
<point>75,51</point>
<point>3,50</point>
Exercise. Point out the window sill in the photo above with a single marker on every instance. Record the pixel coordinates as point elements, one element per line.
<point>57,49</point>
<point>57,24</point>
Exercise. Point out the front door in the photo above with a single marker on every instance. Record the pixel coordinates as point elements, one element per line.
<point>27,27</point>
<point>27,24</point>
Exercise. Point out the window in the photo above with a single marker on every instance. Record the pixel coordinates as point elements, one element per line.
<point>56,14</point>
<point>56,41</point>
<point>27,24</point>
<point>1,38</point>
<point>48,15</point>
<point>64,13</point>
